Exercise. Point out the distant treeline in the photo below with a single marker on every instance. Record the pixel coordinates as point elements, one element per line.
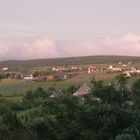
<point>102,59</point>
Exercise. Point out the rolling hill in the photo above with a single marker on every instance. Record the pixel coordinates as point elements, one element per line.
<point>69,61</point>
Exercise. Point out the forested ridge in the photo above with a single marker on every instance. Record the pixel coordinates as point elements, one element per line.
<point>81,60</point>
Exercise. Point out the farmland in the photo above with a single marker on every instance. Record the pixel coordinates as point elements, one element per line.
<point>18,87</point>
<point>8,87</point>
<point>32,100</point>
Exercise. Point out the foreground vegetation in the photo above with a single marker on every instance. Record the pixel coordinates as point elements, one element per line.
<point>38,116</point>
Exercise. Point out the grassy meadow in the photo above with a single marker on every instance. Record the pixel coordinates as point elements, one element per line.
<point>19,87</point>
<point>15,89</point>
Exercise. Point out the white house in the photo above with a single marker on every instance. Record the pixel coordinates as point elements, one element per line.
<point>30,77</point>
<point>5,69</point>
<point>112,68</point>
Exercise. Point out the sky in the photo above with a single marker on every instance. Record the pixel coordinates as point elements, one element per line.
<point>31,29</point>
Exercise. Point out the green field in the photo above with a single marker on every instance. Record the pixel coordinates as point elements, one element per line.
<point>17,88</point>
<point>14,89</point>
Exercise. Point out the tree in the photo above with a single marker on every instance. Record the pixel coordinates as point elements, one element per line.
<point>122,81</point>
<point>10,120</point>
<point>28,98</point>
<point>4,108</point>
<point>97,85</point>
<point>36,74</point>
<point>136,93</point>
<point>39,92</point>
<point>71,89</point>
<point>125,137</point>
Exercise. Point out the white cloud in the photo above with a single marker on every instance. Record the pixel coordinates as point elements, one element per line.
<point>43,47</point>
<point>128,44</point>
<point>37,48</point>
<point>131,38</point>
<point>4,50</point>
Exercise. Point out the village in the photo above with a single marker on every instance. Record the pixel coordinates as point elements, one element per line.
<point>67,72</point>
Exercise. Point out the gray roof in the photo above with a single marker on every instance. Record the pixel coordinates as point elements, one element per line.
<point>83,90</point>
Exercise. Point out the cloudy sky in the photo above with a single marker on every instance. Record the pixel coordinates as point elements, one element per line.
<point>31,29</point>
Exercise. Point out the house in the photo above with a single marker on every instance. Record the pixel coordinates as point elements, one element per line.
<point>133,69</point>
<point>91,69</point>
<point>127,73</point>
<point>58,69</point>
<point>50,77</point>
<point>30,77</point>
<point>74,68</point>
<point>124,65</point>
<point>112,68</point>
<point>5,69</point>
<point>131,72</point>
<point>120,63</point>
<point>83,90</point>
<point>117,69</point>
<point>44,78</point>
<point>138,71</point>
<point>60,76</point>
<point>130,62</point>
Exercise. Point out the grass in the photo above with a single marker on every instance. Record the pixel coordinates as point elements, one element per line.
<point>133,79</point>
<point>15,89</point>
<point>6,82</point>
<point>19,87</point>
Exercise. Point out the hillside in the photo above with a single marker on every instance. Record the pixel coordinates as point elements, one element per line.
<point>69,61</point>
